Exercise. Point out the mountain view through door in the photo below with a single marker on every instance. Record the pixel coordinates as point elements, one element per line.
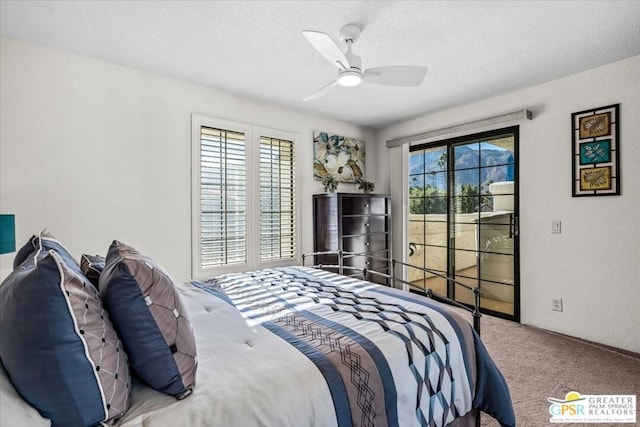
<point>463,219</point>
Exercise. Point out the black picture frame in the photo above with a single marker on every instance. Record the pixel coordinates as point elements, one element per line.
<point>595,149</point>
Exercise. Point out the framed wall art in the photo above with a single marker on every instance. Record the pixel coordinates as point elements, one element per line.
<point>596,152</point>
<point>337,156</point>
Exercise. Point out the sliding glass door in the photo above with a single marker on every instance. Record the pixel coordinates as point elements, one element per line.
<point>463,219</point>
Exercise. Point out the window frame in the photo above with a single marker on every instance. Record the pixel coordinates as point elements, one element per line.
<point>252,140</point>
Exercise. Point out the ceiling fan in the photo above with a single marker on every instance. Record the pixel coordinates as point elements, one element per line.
<point>350,65</point>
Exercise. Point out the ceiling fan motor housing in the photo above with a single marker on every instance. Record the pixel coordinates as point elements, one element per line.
<point>353,76</point>
<point>355,63</point>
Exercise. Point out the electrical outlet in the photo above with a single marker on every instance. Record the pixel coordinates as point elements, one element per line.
<point>556,304</point>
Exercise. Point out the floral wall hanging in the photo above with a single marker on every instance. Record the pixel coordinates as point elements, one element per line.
<point>337,156</point>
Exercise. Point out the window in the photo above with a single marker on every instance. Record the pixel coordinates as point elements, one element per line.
<point>223,197</point>
<point>277,199</point>
<point>244,212</point>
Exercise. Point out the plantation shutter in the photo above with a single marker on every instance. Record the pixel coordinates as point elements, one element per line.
<point>222,197</point>
<point>277,199</point>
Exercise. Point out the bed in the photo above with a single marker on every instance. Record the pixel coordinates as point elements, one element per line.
<point>300,346</point>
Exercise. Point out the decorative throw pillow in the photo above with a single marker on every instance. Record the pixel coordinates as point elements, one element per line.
<point>46,242</point>
<point>26,250</point>
<point>92,266</point>
<point>57,343</point>
<point>33,244</point>
<point>151,320</point>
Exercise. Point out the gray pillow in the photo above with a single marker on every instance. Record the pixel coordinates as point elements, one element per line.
<point>92,266</point>
<point>151,320</point>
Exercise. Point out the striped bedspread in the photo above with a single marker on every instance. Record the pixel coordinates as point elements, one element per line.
<point>388,357</point>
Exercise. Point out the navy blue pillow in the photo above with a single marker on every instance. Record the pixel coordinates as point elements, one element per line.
<point>24,252</point>
<point>33,245</point>
<point>149,317</point>
<point>57,343</point>
<point>46,242</point>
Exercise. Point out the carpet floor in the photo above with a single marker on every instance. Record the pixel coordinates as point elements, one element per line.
<point>539,364</point>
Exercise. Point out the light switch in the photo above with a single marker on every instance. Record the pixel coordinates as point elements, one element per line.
<point>556,226</point>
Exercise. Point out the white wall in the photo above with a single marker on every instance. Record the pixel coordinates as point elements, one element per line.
<point>594,265</point>
<point>95,152</point>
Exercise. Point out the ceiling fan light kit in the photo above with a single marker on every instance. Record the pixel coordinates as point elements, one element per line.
<point>349,78</point>
<point>349,65</point>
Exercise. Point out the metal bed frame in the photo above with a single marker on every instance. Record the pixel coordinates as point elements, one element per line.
<point>393,280</point>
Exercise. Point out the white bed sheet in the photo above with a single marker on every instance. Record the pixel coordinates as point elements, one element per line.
<point>240,380</point>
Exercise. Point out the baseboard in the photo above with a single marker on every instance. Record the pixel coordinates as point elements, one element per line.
<point>620,351</point>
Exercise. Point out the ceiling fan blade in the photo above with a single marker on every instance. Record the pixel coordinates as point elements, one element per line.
<point>328,48</point>
<point>321,92</point>
<point>396,75</point>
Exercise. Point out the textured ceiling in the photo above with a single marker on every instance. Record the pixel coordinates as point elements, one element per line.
<point>255,49</point>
